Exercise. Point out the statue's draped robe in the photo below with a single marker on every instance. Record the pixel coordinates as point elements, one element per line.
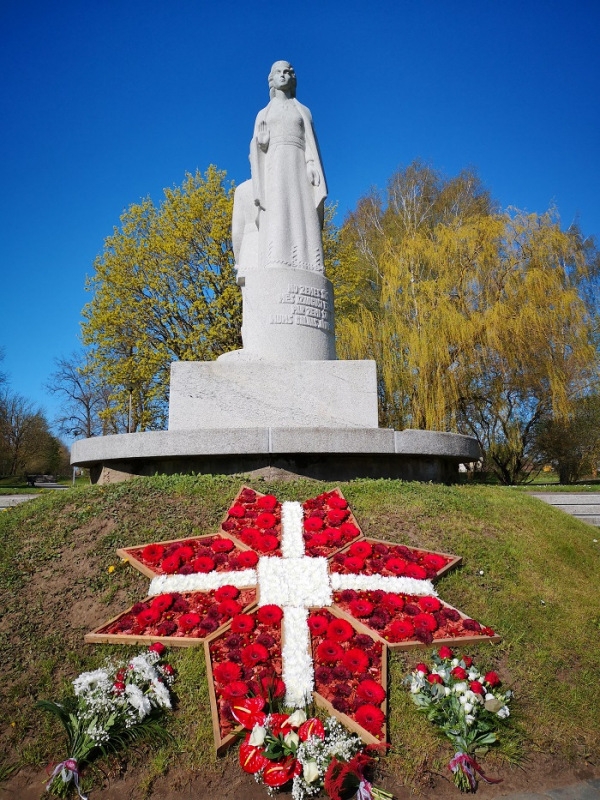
<point>290,208</point>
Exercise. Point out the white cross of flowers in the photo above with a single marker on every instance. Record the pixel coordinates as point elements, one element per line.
<point>295,582</point>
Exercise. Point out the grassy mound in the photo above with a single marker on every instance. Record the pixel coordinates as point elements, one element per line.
<point>528,571</point>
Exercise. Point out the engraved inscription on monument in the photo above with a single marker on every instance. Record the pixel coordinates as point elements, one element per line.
<point>304,305</point>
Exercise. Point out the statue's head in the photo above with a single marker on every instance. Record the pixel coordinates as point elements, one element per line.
<point>282,76</point>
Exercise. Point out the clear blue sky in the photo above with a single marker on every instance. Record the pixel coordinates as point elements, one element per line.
<point>107,101</point>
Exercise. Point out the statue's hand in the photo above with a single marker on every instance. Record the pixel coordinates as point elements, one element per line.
<point>313,175</point>
<point>262,135</point>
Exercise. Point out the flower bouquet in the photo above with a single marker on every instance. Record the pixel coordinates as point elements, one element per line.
<point>466,706</point>
<point>111,707</point>
<point>279,748</point>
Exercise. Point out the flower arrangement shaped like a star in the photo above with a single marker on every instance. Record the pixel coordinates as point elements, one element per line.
<point>292,600</point>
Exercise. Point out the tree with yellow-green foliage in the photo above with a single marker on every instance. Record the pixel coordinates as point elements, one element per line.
<point>163,290</point>
<point>476,317</point>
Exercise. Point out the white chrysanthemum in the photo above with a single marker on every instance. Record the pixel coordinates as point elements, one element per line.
<point>138,700</point>
<point>98,680</point>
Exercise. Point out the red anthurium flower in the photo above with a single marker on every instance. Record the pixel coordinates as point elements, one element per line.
<point>252,759</point>
<point>318,624</point>
<point>254,654</point>
<point>227,671</point>
<point>355,660</point>
<point>269,614</point>
<point>242,623</point>
<point>445,652</point>
<point>267,503</point>
<point>329,651</point>
<point>265,520</point>
<point>429,603</point>
<point>227,593</point>
<point>476,687</point>
<point>312,727</point>
<point>279,723</point>
<point>202,564</point>
<point>371,691</point>
<point>249,711</point>
<point>459,673</point>
<point>277,773</point>
<point>370,718</point>
<point>339,630</point>
<point>222,545</point>
<point>492,678</point>
<point>433,677</point>
<point>153,553</point>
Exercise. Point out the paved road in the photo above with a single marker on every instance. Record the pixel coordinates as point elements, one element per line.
<point>9,500</point>
<point>583,505</point>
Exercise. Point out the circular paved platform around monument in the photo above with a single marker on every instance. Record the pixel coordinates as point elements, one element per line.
<point>322,453</point>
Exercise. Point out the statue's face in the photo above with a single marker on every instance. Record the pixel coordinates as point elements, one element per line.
<point>282,75</point>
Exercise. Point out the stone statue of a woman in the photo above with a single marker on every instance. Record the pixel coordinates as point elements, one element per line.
<point>288,181</point>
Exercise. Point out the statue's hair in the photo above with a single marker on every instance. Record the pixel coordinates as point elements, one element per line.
<point>272,88</point>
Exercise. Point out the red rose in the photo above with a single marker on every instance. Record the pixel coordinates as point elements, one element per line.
<point>422,668</point>
<point>162,602</point>
<point>492,678</point>
<point>397,566</point>
<point>254,654</point>
<point>317,624</point>
<point>265,520</point>
<point>401,629</point>
<point>371,691</point>
<point>158,648</point>
<point>242,623</point>
<point>429,604</point>
<point>267,503</point>
<point>170,564</point>
<point>445,652</point>
<point>188,621</point>
<point>237,511</point>
<point>227,593</point>
<point>270,615</point>
<point>119,687</point>
<point>433,677</point>
<point>247,559</point>
<point>329,651</point>
<point>227,671</point>
<point>222,545</point>
<point>476,687</point>
<point>370,718</point>
<point>360,549</point>
<point>339,630</point>
<point>459,673</point>
<point>202,564</point>
<point>353,564</point>
<point>152,553</point>
<point>361,608</point>
<point>168,669</point>
<point>468,661</point>
<point>355,660</point>
<point>273,686</point>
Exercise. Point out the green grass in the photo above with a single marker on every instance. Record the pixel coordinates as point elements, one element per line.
<point>528,571</point>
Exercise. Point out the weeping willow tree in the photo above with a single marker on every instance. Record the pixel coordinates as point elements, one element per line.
<point>475,317</point>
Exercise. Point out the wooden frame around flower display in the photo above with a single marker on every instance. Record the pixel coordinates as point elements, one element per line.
<point>100,636</point>
<point>453,560</point>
